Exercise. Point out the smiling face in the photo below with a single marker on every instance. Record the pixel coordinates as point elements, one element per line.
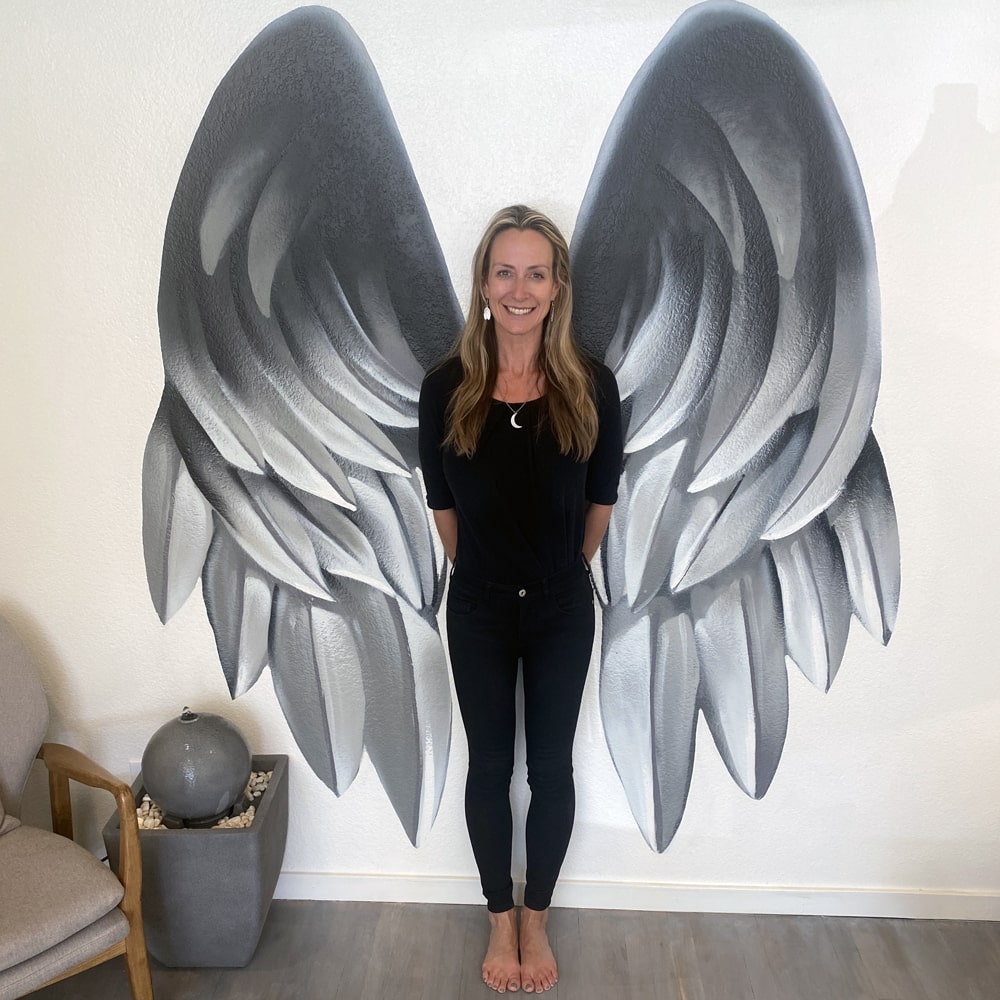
<point>520,284</point>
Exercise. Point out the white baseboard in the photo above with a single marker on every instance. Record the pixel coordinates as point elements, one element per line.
<point>913,903</point>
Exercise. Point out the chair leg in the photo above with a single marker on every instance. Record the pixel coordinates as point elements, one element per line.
<point>137,963</point>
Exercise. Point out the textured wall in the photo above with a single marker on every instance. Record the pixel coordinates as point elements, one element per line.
<point>885,782</point>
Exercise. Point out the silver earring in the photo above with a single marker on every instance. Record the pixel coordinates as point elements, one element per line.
<point>487,315</point>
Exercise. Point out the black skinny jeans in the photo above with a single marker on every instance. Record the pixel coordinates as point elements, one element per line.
<point>549,625</point>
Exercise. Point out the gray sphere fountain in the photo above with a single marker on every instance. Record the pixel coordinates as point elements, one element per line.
<point>196,768</point>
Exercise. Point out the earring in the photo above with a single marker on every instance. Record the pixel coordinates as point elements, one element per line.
<point>487,315</point>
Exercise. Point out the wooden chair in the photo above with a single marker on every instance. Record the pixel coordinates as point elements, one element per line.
<point>61,910</point>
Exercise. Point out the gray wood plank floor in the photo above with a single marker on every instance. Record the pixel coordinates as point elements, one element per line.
<point>392,951</point>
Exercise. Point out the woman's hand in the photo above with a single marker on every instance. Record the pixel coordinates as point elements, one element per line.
<point>594,527</point>
<point>446,522</point>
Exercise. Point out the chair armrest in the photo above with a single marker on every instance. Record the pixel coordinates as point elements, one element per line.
<point>64,763</point>
<point>78,766</point>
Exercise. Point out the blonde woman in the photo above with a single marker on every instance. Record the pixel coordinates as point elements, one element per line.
<point>521,450</point>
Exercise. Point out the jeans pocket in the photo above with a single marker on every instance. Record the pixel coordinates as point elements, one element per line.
<point>461,600</point>
<point>575,597</point>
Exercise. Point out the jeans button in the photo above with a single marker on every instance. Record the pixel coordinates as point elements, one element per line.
<point>521,593</point>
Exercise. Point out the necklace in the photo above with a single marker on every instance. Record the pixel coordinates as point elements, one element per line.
<point>514,412</point>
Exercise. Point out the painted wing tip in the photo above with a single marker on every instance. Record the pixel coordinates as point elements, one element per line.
<point>238,690</point>
<point>164,607</point>
<point>762,784</point>
<point>664,838</point>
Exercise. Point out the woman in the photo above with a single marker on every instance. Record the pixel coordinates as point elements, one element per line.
<point>521,450</point>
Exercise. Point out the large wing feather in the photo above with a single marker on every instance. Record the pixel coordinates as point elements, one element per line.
<point>744,683</point>
<point>864,519</point>
<point>302,295</point>
<point>176,523</point>
<point>724,266</point>
<point>238,597</point>
<point>649,705</point>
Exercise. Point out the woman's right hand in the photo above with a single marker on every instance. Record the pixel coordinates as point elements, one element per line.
<point>446,522</point>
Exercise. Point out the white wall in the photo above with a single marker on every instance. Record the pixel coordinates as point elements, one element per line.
<point>888,785</point>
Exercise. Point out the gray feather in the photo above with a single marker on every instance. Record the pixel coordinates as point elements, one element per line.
<point>649,687</point>
<point>864,518</point>
<point>744,683</point>
<point>726,521</point>
<point>647,510</point>
<point>176,521</point>
<point>238,600</point>
<point>815,601</point>
<point>317,663</point>
<point>407,725</point>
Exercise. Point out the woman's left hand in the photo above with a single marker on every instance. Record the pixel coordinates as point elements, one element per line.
<point>595,527</point>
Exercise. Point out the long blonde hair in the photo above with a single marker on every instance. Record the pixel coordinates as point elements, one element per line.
<point>569,394</point>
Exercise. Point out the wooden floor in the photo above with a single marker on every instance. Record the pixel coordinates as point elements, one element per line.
<point>390,951</point>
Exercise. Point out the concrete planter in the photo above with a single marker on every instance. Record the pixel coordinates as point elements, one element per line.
<point>206,893</point>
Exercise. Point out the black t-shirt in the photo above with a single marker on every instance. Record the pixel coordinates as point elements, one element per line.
<point>521,504</point>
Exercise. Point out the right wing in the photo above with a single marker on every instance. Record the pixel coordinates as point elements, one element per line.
<point>724,267</point>
<point>303,294</point>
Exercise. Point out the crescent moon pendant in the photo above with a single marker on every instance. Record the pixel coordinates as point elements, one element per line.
<point>514,423</point>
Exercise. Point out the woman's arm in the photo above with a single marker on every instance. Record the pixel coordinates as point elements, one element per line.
<point>604,467</point>
<point>594,526</point>
<point>446,522</point>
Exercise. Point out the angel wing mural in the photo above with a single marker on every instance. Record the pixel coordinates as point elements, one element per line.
<point>723,266</point>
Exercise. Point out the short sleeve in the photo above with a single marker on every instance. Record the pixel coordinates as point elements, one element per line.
<point>605,465</point>
<point>434,396</point>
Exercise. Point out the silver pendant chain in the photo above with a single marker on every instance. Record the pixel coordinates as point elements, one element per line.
<point>514,412</point>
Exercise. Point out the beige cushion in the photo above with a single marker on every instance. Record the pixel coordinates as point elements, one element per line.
<point>50,888</point>
<point>28,976</point>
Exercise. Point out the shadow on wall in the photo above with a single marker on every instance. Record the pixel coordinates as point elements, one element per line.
<point>939,252</point>
<point>940,232</point>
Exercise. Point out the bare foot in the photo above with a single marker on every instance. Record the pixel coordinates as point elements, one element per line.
<point>538,964</point>
<point>501,969</point>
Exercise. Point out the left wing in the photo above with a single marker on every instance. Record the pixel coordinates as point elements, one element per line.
<point>302,294</point>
